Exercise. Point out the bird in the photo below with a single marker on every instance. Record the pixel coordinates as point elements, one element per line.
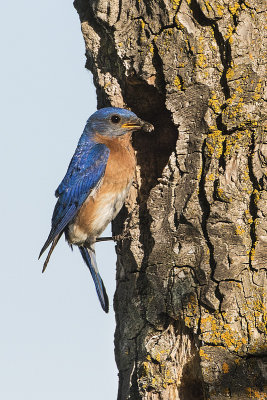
<point>95,186</point>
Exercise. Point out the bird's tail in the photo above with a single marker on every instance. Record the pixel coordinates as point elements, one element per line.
<point>89,257</point>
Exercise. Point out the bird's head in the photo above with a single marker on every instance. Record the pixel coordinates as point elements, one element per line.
<point>114,122</point>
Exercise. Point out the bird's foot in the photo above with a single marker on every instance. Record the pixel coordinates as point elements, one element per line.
<point>115,238</point>
<point>122,236</point>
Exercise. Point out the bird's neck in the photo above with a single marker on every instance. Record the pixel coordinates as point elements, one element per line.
<point>116,143</point>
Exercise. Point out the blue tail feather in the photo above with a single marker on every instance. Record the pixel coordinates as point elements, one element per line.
<point>89,258</point>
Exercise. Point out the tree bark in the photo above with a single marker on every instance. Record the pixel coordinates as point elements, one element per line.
<point>190,303</point>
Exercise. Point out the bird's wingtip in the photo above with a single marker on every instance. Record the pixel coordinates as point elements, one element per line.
<point>45,246</point>
<point>54,243</point>
<point>41,253</point>
<point>44,267</point>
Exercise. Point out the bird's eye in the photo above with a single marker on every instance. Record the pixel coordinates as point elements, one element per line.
<point>115,119</point>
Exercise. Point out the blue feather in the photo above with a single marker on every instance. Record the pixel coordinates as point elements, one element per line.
<point>90,261</point>
<point>85,171</point>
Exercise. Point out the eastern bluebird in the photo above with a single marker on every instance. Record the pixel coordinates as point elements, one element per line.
<point>95,186</point>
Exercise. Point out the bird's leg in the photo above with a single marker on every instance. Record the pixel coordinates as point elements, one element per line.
<point>104,239</point>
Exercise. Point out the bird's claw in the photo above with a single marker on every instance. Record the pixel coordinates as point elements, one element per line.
<point>115,238</point>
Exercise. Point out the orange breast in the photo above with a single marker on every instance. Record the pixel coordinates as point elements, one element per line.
<point>102,206</point>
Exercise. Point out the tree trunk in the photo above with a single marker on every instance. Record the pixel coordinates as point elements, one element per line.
<point>190,303</point>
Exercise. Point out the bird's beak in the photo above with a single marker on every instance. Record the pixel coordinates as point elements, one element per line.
<point>146,126</point>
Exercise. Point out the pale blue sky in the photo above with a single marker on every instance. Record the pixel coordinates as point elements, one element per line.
<point>55,340</point>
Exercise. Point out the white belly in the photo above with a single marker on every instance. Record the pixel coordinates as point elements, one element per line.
<point>108,208</point>
<point>100,212</point>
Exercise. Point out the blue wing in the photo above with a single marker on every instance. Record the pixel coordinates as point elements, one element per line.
<point>85,171</point>
<point>89,257</point>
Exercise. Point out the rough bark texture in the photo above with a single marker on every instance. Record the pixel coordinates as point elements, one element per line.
<point>190,304</point>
